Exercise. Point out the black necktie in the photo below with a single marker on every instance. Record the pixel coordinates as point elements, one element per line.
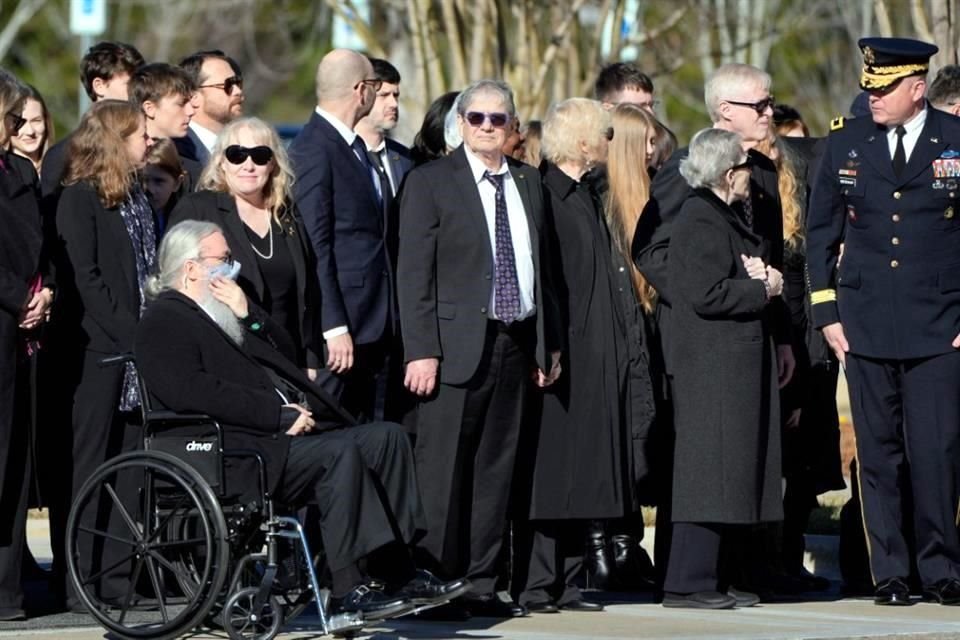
<point>900,154</point>
<point>360,149</point>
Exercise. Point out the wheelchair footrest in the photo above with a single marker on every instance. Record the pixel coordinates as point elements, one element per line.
<point>344,623</point>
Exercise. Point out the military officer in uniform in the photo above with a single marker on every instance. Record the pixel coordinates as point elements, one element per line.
<point>888,189</point>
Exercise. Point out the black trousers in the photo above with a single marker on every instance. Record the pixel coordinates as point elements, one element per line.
<point>694,558</point>
<point>363,482</point>
<point>466,447</point>
<point>906,418</point>
<point>550,560</point>
<point>14,466</point>
<point>365,387</point>
<point>99,432</point>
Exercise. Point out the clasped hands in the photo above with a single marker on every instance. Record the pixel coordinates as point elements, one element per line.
<point>772,278</point>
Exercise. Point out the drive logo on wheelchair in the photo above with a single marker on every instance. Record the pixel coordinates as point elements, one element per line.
<point>194,446</point>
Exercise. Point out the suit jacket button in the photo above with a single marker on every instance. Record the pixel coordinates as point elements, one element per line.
<point>483,309</point>
<point>895,217</point>
<point>894,264</point>
<point>895,241</point>
<point>896,195</point>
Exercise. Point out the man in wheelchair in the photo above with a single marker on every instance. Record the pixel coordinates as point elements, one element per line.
<point>202,348</point>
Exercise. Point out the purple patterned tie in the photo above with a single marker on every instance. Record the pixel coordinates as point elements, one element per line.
<point>506,287</point>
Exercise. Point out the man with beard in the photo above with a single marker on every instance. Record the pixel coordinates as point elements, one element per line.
<point>340,197</point>
<point>218,100</point>
<point>202,348</point>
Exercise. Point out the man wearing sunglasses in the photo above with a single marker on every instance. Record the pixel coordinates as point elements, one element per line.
<point>737,99</point>
<point>478,317</point>
<point>218,101</point>
<point>339,194</point>
<point>887,188</point>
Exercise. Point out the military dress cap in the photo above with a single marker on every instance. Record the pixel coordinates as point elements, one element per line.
<point>886,60</point>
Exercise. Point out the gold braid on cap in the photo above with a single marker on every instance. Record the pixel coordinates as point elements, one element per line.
<point>878,77</point>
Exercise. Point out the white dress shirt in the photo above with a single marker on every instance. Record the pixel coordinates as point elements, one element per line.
<point>207,137</point>
<point>913,127</point>
<point>519,231</point>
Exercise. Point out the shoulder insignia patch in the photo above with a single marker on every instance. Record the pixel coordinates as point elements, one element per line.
<point>837,123</point>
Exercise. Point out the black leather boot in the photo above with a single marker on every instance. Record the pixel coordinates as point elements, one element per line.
<point>633,569</point>
<point>597,559</point>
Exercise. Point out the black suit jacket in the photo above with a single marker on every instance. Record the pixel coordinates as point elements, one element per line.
<point>897,289</point>
<point>190,366</point>
<point>337,200</point>
<point>99,301</point>
<point>193,157</point>
<point>446,266</point>
<point>398,155</point>
<point>221,208</point>
<point>22,254</point>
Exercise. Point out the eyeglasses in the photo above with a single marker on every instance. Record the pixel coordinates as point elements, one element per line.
<point>226,258</point>
<point>760,107</point>
<point>235,154</point>
<point>18,122</point>
<point>608,134</point>
<point>477,118</point>
<point>227,85</point>
<point>376,83</point>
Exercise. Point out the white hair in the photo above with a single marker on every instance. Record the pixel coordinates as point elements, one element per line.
<point>729,80</point>
<point>451,128</point>
<point>712,153</point>
<point>180,243</point>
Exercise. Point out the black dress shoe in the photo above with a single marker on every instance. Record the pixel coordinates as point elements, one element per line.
<point>743,598</point>
<point>814,582</point>
<point>633,569</point>
<point>946,591</point>
<point>699,600</point>
<point>426,588</point>
<point>12,615</point>
<point>490,606</point>
<point>893,591</point>
<point>580,605</point>
<point>372,603</point>
<point>544,606</point>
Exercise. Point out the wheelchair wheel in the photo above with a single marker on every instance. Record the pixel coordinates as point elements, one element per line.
<point>121,558</point>
<point>243,621</point>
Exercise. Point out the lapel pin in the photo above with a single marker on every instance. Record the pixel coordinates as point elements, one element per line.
<point>935,140</point>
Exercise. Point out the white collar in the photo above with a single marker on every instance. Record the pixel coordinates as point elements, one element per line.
<point>207,138</point>
<point>915,124</point>
<point>478,168</point>
<point>348,134</point>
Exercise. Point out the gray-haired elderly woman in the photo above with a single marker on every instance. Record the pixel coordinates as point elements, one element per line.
<point>727,417</point>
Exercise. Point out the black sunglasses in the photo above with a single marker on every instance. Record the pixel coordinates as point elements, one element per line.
<point>236,154</point>
<point>759,107</point>
<point>376,83</point>
<point>227,85</point>
<point>476,118</point>
<point>746,164</point>
<point>18,121</point>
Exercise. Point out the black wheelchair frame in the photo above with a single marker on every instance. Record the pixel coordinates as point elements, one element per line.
<point>163,511</point>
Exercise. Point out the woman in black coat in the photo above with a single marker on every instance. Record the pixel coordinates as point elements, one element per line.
<point>578,470</point>
<point>727,420</point>
<point>245,189</point>
<point>25,296</point>
<point>107,249</point>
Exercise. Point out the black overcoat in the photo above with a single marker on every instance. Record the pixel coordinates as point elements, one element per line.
<point>581,467</point>
<point>727,458</point>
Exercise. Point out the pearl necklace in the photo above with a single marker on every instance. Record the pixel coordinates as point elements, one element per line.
<point>270,251</point>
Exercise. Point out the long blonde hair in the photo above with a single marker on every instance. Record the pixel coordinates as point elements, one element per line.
<point>279,187</point>
<point>791,189</point>
<point>629,187</point>
<point>97,151</point>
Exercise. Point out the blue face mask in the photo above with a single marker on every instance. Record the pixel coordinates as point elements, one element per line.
<point>228,270</point>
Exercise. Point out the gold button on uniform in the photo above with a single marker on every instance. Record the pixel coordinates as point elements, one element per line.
<point>894,264</point>
<point>896,217</point>
<point>895,241</point>
<point>896,195</point>
<point>948,213</point>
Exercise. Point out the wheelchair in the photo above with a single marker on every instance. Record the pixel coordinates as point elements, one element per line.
<point>157,548</point>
